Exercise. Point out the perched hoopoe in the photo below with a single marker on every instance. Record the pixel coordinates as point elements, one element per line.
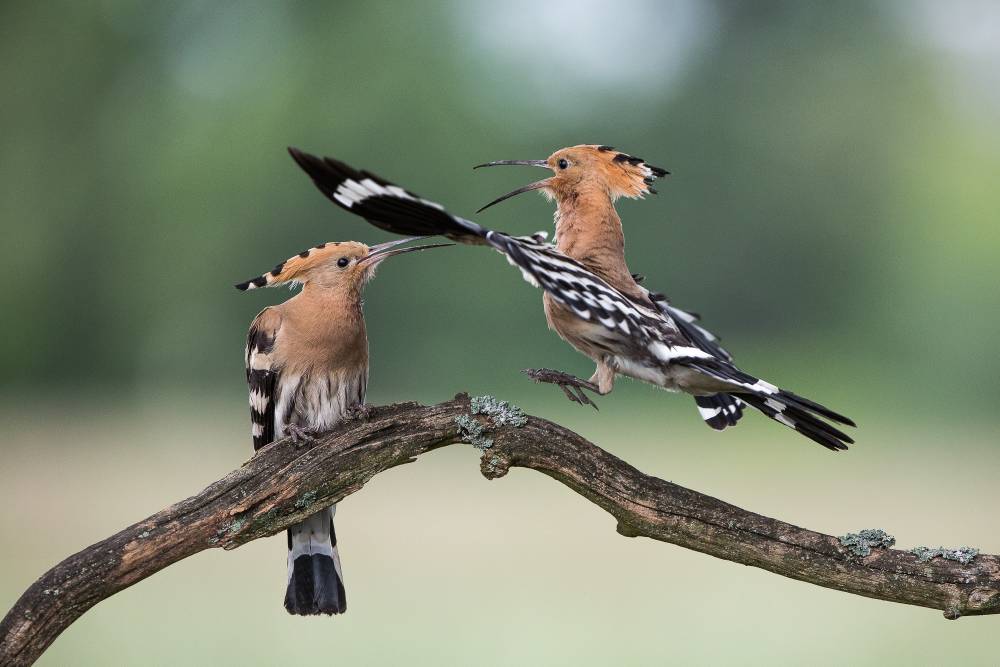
<point>307,367</point>
<point>591,299</point>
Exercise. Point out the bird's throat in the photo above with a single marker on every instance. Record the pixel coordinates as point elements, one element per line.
<point>589,230</point>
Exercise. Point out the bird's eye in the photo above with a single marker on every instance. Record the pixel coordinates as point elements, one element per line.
<point>563,163</point>
<point>342,262</point>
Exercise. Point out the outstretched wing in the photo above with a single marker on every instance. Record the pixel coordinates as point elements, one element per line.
<point>383,204</point>
<point>262,375</point>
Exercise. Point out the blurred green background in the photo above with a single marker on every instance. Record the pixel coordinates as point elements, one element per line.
<point>833,212</point>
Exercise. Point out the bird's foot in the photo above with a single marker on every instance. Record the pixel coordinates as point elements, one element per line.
<point>361,412</point>
<point>301,436</point>
<point>571,385</point>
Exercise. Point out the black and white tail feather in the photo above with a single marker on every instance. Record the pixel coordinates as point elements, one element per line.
<point>315,579</point>
<point>655,342</point>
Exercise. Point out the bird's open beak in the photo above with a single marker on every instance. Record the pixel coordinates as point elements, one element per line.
<point>537,185</point>
<point>378,253</point>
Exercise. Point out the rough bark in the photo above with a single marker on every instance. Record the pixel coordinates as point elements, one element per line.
<point>285,482</point>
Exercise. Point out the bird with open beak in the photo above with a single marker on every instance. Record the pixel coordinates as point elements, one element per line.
<point>585,183</point>
<point>307,368</point>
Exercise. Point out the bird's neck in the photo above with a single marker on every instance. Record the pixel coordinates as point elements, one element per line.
<point>329,323</point>
<point>345,299</point>
<point>589,230</point>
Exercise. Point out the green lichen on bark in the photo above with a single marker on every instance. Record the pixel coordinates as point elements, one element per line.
<point>500,413</point>
<point>307,499</point>
<point>963,555</point>
<point>861,543</point>
<point>474,432</point>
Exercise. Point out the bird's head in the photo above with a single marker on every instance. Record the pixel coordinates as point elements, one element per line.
<point>339,266</point>
<point>587,168</point>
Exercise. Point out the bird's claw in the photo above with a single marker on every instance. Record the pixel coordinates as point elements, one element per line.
<point>301,436</point>
<point>571,385</point>
<point>361,412</point>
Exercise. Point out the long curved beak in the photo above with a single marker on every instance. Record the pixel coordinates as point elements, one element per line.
<point>537,185</point>
<point>382,251</point>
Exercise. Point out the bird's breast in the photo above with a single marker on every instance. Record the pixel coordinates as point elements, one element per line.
<point>324,371</point>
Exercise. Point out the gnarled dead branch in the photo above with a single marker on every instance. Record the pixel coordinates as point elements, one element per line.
<point>285,482</point>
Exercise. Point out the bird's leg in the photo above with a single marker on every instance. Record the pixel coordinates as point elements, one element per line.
<point>604,378</point>
<point>571,385</point>
<point>301,436</point>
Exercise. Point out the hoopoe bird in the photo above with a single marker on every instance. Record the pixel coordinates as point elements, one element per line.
<point>589,230</point>
<point>307,368</point>
<point>591,299</point>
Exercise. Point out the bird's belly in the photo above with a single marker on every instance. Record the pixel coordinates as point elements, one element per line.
<point>671,377</point>
<point>665,377</point>
<point>319,400</point>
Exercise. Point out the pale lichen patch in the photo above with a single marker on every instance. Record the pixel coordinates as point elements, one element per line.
<point>500,413</point>
<point>861,543</point>
<point>474,432</point>
<point>963,555</point>
<point>307,499</point>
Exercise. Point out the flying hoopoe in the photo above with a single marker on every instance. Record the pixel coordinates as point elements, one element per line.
<point>307,368</point>
<point>591,299</point>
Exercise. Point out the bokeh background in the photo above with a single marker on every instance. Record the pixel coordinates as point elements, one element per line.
<point>833,212</point>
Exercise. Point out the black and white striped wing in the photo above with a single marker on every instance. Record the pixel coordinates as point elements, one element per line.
<point>719,411</point>
<point>688,323</point>
<point>383,204</point>
<point>262,376</point>
<point>591,298</point>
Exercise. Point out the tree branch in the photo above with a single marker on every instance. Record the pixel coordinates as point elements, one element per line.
<point>283,483</point>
